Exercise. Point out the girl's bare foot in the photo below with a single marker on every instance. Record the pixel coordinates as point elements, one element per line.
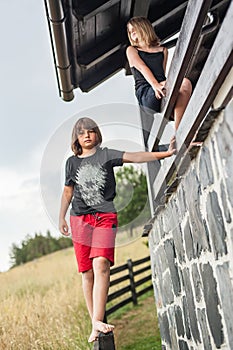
<point>97,327</point>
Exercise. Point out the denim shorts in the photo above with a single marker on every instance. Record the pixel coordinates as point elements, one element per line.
<point>146,98</point>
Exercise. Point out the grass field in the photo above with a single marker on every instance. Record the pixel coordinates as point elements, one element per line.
<point>42,305</point>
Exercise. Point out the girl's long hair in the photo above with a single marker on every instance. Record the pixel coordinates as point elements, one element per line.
<point>145,32</point>
<point>84,123</point>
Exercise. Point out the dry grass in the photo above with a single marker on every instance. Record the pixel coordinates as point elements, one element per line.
<point>42,305</point>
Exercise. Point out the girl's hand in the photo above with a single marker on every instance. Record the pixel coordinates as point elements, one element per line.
<point>63,227</point>
<point>160,90</point>
<point>172,146</point>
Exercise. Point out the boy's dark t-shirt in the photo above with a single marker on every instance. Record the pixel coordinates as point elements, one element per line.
<point>93,181</point>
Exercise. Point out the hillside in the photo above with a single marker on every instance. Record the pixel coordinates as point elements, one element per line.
<point>42,305</point>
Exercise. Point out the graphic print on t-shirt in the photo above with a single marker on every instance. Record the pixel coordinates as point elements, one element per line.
<point>91,180</point>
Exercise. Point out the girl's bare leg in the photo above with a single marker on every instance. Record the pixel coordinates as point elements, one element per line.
<point>182,101</point>
<point>88,282</point>
<point>101,268</point>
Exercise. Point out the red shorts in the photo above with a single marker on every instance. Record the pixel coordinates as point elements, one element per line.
<point>93,235</point>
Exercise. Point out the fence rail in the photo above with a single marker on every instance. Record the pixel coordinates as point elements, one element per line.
<point>129,273</point>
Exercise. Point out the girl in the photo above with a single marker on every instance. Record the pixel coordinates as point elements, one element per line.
<point>90,184</point>
<point>147,60</point>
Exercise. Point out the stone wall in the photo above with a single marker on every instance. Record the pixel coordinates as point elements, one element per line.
<point>191,247</point>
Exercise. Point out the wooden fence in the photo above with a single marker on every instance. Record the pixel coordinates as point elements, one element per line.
<point>129,278</point>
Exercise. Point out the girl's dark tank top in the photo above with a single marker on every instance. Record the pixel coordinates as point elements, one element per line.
<point>154,60</point>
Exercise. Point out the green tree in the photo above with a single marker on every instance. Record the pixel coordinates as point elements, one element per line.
<point>132,197</point>
<point>37,246</point>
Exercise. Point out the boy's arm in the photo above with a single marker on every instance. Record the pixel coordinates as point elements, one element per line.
<point>65,202</point>
<point>144,157</point>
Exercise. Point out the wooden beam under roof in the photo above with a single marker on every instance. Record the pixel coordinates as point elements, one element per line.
<point>141,8</point>
<point>90,9</point>
<point>169,14</point>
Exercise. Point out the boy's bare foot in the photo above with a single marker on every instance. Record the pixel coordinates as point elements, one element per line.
<point>97,327</point>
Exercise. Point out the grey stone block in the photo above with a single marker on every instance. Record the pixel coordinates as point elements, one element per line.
<point>179,246</point>
<point>167,291</point>
<point>228,116</point>
<point>170,221</point>
<point>188,239</point>
<point>173,329</point>
<point>212,303</point>
<point>183,345</point>
<point>213,151</point>
<point>170,254</point>
<point>200,237</point>
<point>204,329</point>
<point>226,293</point>
<point>181,201</point>
<point>224,141</point>
<point>160,260</point>
<point>216,224</point>
<point>227,212</point>
<point>164,328</point>
<point>186,317</point>
<point>179,321</point>
<point>197,283</point>
<point>206,172</point>
<point>191,310</point>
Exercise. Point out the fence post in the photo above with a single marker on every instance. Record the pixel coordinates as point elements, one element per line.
<point>105,342</point>
<point>132,283</point>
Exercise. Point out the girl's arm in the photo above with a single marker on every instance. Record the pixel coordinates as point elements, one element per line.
<point>144,157</point>
<point>135,61</point>
<point>65,202</point>
<point>165,54</point>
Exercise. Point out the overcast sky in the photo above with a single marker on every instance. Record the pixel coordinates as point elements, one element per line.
<point>31,114</point>
<point>36,123</point>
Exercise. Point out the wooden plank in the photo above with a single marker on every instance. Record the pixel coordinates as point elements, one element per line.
<point>190,30</point>
<point>141,8</point>
<point>94,10</point>
<point>145,290</point>
<point>169,14</point>
<point>118,306</point>
<point>152,170</point>
<point>125,9</point>
<point>143,280</point>
<point>144,269</point>
<point>216,69</point>
<point>118,280</point>
<point>118,269</point>
<point>86,33</point>
<point>141,261</point>
<point>109,67</point>
<point>118,293</point>
<point>96,55</point>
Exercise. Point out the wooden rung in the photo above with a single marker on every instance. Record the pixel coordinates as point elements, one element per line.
<point>105,342</point>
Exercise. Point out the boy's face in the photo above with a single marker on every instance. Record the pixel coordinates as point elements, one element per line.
<point>87,138</point>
